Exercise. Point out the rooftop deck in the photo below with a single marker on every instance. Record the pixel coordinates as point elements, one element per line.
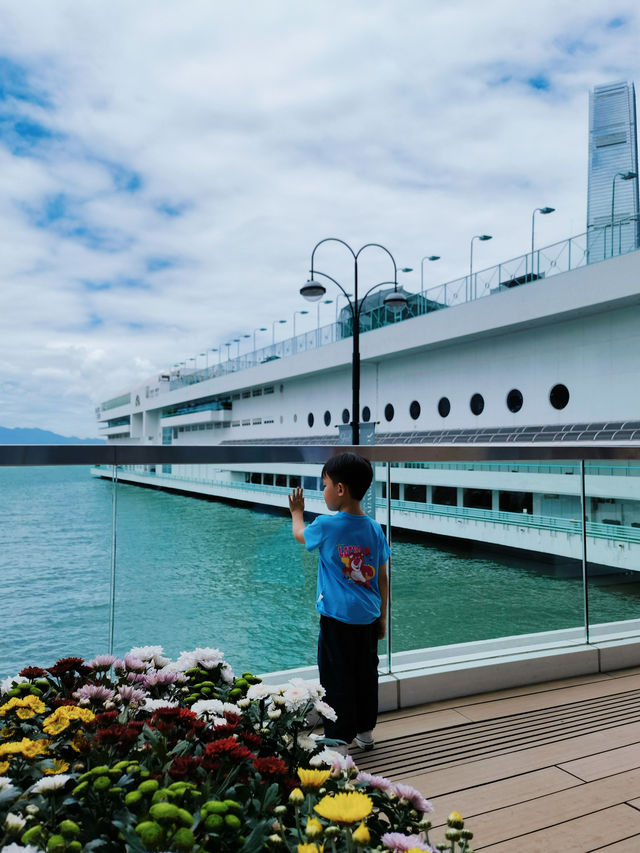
<point>553,766</point>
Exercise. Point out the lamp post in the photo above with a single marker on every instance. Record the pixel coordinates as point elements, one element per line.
<point>228,346</point>
<point>482,237</point>
<point>273,330</point>
<point>314,290</point>
<point>237,343</point>
<point>323,302</point>
<point>544,211</point>
<point>626,176</point>
<point>294,320</point>
<point>426,258</point>
<point>261,329</point>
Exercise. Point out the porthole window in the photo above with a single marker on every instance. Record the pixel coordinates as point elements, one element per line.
<point>366,414</point>
<point>345,416</point>
<point>444,407</point>
<point>327,418</point>
<point>414,410</point>
<point>389,412</point>
<point>476,404</point>
<point>310,419</point>
<point>514,400</point>
<point>559,396</point>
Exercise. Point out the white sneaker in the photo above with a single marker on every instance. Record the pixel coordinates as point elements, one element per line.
<point>364,740</point>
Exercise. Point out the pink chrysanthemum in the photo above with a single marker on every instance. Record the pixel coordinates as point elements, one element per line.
<point>399,843</point>
<point>378,782</point>
<point>413,796</point>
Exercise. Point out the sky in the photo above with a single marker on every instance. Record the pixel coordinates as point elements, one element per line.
<point>167,168</point>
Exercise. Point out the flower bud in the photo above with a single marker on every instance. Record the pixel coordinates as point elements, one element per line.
<point>452,835</point>
<point>274,839</point>
<point>455,820</point>
<point>313,828</point>
<point>296,797</point>
<point>280,810</point>
<point>361,835</point>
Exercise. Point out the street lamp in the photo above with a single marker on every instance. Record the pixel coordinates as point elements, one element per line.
<point>626,176</point>
<point>237,343</point>
<point>482,237</point>
<point>261,329</point>
<point>324,302</point>
<point>544,211</point>
<point>228,346</point>
<point>426,258</point>
<point>273,330</point>
<point>313,290</point>
<point>294,320</point>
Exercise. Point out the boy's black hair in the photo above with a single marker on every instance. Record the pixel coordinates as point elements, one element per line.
<point>351,470</point>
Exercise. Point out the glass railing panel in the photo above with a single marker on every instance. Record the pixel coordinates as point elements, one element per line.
<point>55,553</point>
<point>612,507</point>
<point>485,552</point>
<point>194,571</point>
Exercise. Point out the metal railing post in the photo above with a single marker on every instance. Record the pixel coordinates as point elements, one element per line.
<point>112,581</point>
<point>389,613</point>
<point>585,579</point>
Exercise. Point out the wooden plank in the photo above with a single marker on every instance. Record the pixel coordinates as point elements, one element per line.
<point>438,782</point>
<point>538,701</point>
<point>559,808</point>
<point>629,845</point>
<point>605,763</point>
<point>497,795</point>
<point>585,834</point>
<point>416,724</point>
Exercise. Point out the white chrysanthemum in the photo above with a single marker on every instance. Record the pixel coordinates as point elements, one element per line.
<point>216,722</point>
<point>295,698</point>
<point>207,658</point>
<point>226,673</point>
<point>314,689</point>
<point>154,704</point>
<point>260,691</point>
<point>50,783</point>
<point>14,822</point>
<point>326,758</point>
<point>18,848</point>
<point>208,707</point>
<point>325,709</point>
<point>5,783</point>
<point>307,743</point>
<point>244,703</point>
<point>7,683</point>
<point>274,713</point>
<point>150,654</point>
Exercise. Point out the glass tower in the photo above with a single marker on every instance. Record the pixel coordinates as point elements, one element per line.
<point>613,224</point>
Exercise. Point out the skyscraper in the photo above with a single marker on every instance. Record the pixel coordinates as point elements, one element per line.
<point>613,223</point>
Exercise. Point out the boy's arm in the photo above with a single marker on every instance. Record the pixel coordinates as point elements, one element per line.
<point>296,508</point>
<point>383,586</point>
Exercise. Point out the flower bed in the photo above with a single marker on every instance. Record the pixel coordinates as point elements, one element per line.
<point>149,754</point>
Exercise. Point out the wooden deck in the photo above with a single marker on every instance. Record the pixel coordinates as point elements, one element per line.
<point>553,766</point>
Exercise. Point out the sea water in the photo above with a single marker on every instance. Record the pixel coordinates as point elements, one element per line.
<point>191,572</point>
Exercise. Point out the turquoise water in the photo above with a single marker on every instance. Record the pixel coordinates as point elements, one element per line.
<point>193,572</point>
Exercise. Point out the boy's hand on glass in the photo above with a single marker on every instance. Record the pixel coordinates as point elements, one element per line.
<point>382,628</point>
<point>296,501</point>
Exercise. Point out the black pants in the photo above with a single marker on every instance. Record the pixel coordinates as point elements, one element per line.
<point>348,664</point>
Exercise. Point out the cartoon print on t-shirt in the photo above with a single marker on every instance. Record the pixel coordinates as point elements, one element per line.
<point>355,566</point>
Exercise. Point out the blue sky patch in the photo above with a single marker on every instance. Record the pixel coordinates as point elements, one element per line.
<point>168,208</point>
<point>540,82</point>
<point>157,264</point>
<point>62,214</point>
<point>14,83</point>
<point>124,179</point>
<point>616,23</point>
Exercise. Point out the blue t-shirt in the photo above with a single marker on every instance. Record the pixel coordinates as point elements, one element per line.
<point>352,547</point>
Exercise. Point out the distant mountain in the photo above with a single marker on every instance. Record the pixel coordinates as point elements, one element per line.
<point>41,436</point>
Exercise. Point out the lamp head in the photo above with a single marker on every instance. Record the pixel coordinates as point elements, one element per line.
<point>433,258</point>
<point>547,209</point>
<point>629,176</point>
<point>485,237</point>
<point>406,269</point>
<point>396,300</point>
<point>313,290</point>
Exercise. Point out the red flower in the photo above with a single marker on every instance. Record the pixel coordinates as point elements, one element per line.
<point>230,748</point>
<point>250,739</point>
<point>105,719</point>
<point>184,766</point>
<point>31,672</point>
<point>270,766</point>
<point>68,665</point>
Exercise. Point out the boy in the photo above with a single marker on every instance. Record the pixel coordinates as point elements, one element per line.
<point>352,596</point>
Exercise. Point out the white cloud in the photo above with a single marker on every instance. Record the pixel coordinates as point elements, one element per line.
<point>267,127</point>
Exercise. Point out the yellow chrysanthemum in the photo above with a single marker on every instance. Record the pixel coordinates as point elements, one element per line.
<point>345,808</point>
<point>78,742</point>
<point>59,766</point>
<point>28,748</point>
<point>61,717</point>
<point>4,766</point>
<point>361,835</point>
<point>309,848</point>
<point>27,707</point>
<point>311,779</point>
